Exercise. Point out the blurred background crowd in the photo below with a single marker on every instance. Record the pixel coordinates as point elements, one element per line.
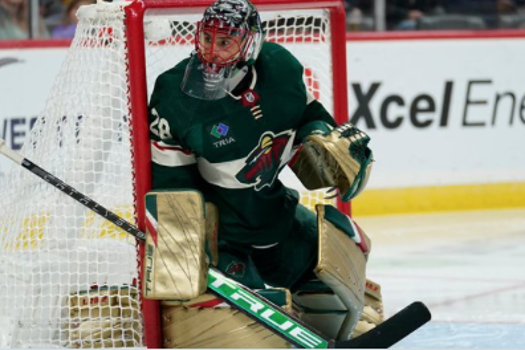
<point>39,19</point>
<point>364,15</point>
<point>55,19</point>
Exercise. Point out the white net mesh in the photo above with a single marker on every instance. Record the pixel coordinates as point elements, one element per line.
<point>52,248</point>
<point>67,277</point>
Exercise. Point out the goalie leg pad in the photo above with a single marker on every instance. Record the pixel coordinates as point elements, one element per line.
<point>318,306</point>
<point>374,301</point>
<point>207,322</point>
<point>103,314</point>
<point>212,232</point>
<point>341,266</point>
<point>372,312</point>
<point>176,264</point>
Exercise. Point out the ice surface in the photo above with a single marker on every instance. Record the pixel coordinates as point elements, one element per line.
<point>467,267</point>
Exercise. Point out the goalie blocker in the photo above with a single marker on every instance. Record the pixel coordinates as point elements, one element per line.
<point>181,242</point>
<point>176,263</point>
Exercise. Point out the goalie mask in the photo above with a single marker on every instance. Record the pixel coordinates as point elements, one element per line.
<point>227,40</point>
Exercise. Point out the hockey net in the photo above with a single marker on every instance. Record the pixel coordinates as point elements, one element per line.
<point>67,277</point>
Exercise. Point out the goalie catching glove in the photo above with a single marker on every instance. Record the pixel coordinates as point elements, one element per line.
<point>339,159</point>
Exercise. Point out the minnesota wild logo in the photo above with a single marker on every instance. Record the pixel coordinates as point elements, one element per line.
<point>264,161</point>
<point>236,269</point>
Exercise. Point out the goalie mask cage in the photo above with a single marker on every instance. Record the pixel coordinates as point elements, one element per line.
<point>67,277</point>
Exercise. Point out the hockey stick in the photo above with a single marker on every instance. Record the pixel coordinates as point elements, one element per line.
<point>246,300</point>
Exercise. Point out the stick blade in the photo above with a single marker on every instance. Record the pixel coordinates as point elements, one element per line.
<point>392,330</point>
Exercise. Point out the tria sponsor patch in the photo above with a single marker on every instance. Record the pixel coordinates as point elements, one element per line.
<point>222,133</point>
<point>219,130</point>
<point>223,142</point>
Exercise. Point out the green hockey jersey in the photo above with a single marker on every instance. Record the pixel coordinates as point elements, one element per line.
<point>232,149</point>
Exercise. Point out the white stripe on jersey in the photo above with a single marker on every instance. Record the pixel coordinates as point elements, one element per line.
<point>223,174</point>
<point>309,98</point>
<point>170,155</point>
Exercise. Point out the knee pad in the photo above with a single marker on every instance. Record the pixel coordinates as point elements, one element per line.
<point>343,251</point>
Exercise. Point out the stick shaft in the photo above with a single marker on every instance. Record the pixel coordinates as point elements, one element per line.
<point>83,199</point>
<point>9,153</point>
<point>71,192</point>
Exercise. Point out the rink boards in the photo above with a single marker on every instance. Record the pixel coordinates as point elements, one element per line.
<point>446,116</point>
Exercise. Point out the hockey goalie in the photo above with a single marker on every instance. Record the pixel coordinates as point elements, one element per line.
<point>223,123</point>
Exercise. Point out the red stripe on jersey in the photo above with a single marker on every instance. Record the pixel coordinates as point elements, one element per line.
<point>171,148</point>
